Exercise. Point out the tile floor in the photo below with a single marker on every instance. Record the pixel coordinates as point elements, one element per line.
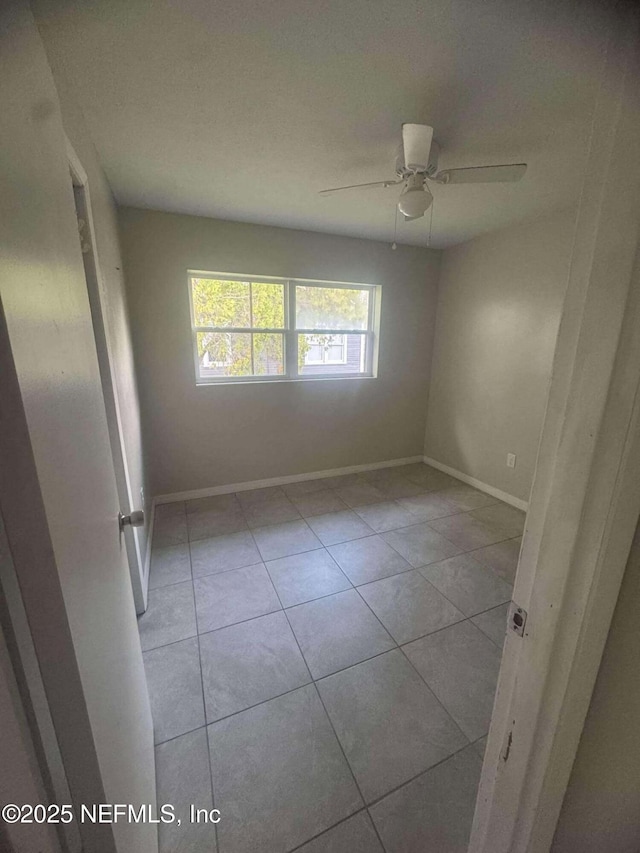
<point>322,658</point>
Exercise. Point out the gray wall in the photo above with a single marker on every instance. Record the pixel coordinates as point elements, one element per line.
<point>205,436</point>
<point>499,305</point>
<point>601,810</point>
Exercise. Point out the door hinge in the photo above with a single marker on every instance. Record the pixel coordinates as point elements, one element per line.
<point>517,619</point>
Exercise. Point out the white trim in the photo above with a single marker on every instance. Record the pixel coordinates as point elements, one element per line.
<point>477,484</point>
<point>281,481</point>
<point>24,658</point>
<point>147,556</point>
<point>276,279</point>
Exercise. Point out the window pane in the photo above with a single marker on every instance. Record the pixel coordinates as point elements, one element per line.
<point>220,303</point>
<point>268,305</point>
<point>268,355</point>
<point>224,354</point>
<point>322,354</point>
<point>331,308</point>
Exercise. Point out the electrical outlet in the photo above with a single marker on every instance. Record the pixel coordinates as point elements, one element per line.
<point>511,460</point>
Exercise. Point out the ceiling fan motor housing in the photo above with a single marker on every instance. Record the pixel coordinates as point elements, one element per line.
<point>429,169</point>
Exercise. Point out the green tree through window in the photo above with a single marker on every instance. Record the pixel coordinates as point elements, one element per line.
<point>237,304</point>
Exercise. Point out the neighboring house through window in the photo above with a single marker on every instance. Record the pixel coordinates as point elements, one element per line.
<point>326,349</point>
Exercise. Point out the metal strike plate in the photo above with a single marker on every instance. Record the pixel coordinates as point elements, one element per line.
<point>517,619</point>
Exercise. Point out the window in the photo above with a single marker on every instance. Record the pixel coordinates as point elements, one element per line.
<point>259,329</point>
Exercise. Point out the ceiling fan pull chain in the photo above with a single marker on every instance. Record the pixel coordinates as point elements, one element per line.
<point>430,222</point>
<point>394,245</point>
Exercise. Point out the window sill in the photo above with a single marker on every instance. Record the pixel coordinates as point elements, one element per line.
<point>283,381</point>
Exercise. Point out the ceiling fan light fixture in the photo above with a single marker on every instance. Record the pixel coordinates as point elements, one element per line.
<point>414,202</point>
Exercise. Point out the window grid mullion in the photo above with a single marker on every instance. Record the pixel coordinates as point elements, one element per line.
<point>253,367</point>
<point>291,339</point>
<point>237,330</point>
<point>370,340</point>
<point>332,331</point>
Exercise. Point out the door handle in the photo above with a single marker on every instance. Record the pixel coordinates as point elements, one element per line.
<point>135,519</point>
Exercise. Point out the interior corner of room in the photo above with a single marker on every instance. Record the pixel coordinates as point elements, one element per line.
<point>400,506</point>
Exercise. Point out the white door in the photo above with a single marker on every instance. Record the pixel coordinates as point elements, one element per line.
<point>128,502</point>
<point>58,493</point>
<point>585,499</point>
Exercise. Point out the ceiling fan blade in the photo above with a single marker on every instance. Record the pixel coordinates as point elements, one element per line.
<point>482,174</point>
<point>360,186</point>
<point>416,144</point>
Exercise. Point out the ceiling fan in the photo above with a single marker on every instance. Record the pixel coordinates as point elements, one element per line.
<point>417,163</point>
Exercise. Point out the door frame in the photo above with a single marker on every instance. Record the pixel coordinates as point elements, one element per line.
<point>24,778</point>
<point>585,501</point>
<point>108,376</point>
<point>33,616</point>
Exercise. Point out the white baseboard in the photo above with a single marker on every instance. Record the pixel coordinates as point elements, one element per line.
<point>281,481</point>
<point>478,484</point>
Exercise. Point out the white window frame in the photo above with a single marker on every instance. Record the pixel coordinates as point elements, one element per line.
<point>290,333</point>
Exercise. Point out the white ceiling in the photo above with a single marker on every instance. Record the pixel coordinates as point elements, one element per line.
<point>243,110</point>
